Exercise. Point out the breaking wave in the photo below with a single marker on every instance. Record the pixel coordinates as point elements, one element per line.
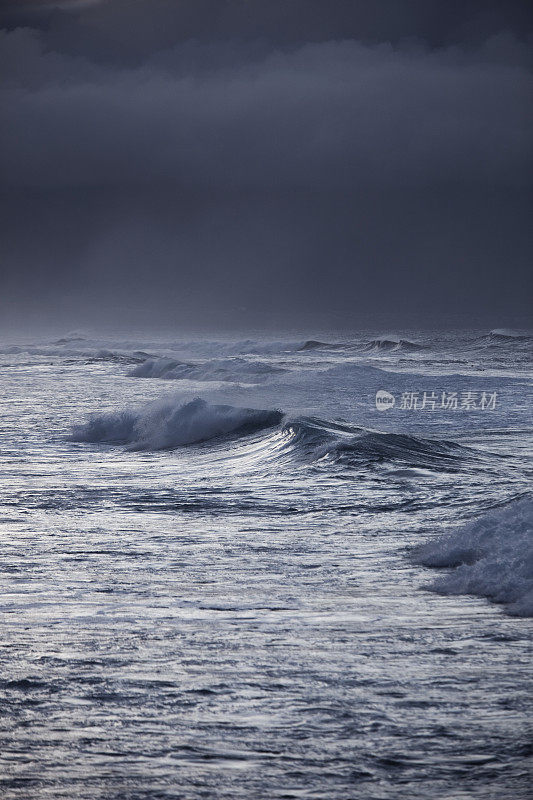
<point>161,368</point>
<point>229,369</point>
<point>168,424</point>
<point>393,343</point>
<point>491,557</point>
<point>171,423</point>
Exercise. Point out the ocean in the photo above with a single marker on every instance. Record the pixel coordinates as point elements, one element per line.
<point>266,567</point>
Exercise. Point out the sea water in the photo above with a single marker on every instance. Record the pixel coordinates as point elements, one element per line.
<point>227,573</point>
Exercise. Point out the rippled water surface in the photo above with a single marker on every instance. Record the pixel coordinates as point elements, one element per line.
<point>208,588</point>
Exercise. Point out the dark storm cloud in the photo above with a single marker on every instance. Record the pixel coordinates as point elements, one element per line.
<point>118,29</point>
<point>233,145</point>
<point>324,116</point>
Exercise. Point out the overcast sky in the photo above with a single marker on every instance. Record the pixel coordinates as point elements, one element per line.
<point>252,162</point>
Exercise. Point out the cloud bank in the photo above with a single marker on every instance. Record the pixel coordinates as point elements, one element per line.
<point>232,149</point>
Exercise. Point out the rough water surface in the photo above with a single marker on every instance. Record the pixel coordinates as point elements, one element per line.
<point>226,574</point>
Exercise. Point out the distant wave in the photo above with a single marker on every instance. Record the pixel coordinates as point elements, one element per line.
<point>33,350</point>
<point>491,557</point>
<point>506,334</point>
<point>393,343</point>
<point>229,369</point>
<point>71,337</point>
<point>169,424</point>
<point>118,358</point>
<point>313,344</point>
<point>88,356</point>
<point>161,368</point>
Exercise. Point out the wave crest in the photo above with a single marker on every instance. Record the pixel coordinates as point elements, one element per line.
<point>171,423</point>
<point>167,424</point>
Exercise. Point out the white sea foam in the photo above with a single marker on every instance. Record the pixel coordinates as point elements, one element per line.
<point>491,557</point>
<point>170,423</point>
